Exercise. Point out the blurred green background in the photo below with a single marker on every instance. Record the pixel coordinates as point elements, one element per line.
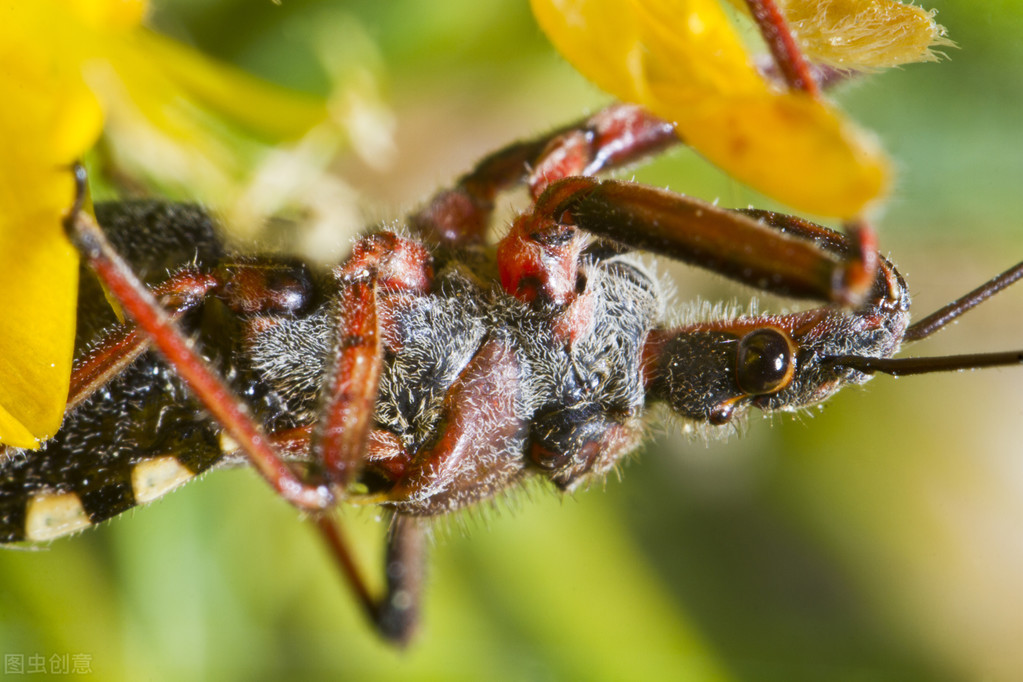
<point>880,538</point>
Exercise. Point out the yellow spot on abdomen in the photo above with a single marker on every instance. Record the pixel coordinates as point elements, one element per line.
<point>228,445</point>
<point>50,516</point>
<point>156,477</point>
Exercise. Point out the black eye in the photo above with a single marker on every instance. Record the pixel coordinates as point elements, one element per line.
<point>764,361</point>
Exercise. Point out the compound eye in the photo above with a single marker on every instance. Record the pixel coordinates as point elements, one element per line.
<point>764,361</point>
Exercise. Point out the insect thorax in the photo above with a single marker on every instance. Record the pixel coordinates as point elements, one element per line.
<point>580,401</point>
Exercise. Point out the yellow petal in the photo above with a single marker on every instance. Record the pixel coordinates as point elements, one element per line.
<point>621,45</point>
<point>107,14</point>
<point>188,123</point>
<point>38,275</point>
<point>682,60</point>
<point>795,149</point>
<point>49,118</point>
<point>264,108</point>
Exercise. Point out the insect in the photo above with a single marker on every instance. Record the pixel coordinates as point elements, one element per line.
<point>480,385</point>
<point>455,388</point>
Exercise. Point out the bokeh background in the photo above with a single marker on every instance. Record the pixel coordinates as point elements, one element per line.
<point>880,538</point>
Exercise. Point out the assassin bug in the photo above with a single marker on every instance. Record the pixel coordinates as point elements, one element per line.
<point>479,386</point>
<point>581,342</point>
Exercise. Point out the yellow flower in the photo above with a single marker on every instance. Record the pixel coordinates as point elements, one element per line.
<point>66,64</point>
<point>683,61</point>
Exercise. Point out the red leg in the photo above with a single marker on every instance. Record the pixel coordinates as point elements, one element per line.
<point>331,534</point>
<point>340,437</point>
<point>139,303</point>
<point>799,75</point>
<point>380,265</point>
<point>782,44</point>
<point>383,262</point>
<point>752,248</point>
<point>616,136</point>
<point>538,260</point>
<point>248,288</point>
<point>468,458</point>
<point>396,613</point>
<point>858,251</point>
<point>182,292</point>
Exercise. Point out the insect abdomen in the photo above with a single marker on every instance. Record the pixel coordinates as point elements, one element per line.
<point>138,438</point>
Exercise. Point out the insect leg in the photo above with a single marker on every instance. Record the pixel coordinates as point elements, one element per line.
<point>380,265</point>
<point>616,136</point>
<point>211,390</point>
<point>250,288</point>
<point>791,63</point>
<point>340,437</point>
<point>182,292</point>
<point>857,247</point>
<point>538,259</point>
<point>475,449</point>
<point>786,256</point>
<point>396,613</point>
